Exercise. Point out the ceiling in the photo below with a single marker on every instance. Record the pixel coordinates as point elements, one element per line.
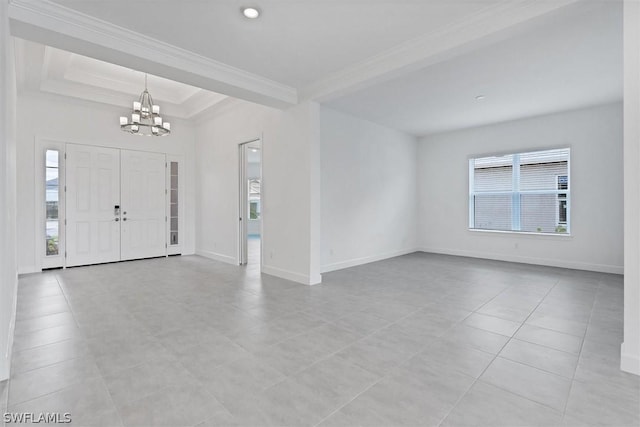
<point>51,70</point>
<point>569,59</point>
<point>294,42</point>
<point>413,65</point>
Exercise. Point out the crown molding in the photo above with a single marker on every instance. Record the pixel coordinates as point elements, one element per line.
<point>52,24</point>
<point>218,109</point>
<point>460,37</point>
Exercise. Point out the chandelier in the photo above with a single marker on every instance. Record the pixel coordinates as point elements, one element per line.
<point>145,118</point>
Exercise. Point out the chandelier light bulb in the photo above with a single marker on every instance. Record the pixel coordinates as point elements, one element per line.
<point>145,117</point>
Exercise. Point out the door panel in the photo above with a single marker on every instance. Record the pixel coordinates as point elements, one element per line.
<point>93,189</point>
<point>143,205</point>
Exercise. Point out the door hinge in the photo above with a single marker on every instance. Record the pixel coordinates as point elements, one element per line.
<point>65,221</point>
<point>65,188</point>
<point>165,219</point>
<point>65,156</point>
<point>165,245</point>
<point>166,191</point>
<point>65,254</point>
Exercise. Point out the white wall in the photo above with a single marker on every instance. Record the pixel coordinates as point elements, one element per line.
<point>630,361</point>
<point>595,138</point>
<point>8,264</point>
<point>290,186</point>
<point>369,191</point>
<point>63,119</point>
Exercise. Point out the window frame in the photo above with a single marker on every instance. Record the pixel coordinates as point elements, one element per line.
<point>516,193</point>
<point>44,261</point>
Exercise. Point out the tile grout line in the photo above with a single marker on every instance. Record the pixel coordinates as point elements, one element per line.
<point>584,337</point>
<point>497,355</point>
<point>411,356</point>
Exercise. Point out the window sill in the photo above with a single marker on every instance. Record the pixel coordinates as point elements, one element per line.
<point>522,233</point>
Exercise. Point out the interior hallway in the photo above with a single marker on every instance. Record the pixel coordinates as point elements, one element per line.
<point>416,340</point>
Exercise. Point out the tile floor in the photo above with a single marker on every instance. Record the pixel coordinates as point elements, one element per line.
<point>415,340</point>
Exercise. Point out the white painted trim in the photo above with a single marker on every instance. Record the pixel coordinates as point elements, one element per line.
<point>444,43</point>
<point>365,260</point>
<point>305,279</point>
<point>601,268</point>
<point>226,105</point>
<point>12,332</point>
<point>59,26</point>
<point>41,145</point>
<point>28,269</point>
<point>179,158</point>
<point>629,362</point>
<point>217,257</point>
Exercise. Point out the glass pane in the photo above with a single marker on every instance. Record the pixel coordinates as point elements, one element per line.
<point>254,209</point>
<point>52,237</point>
<point>52,189</point>
<point>174,196</point>
<point>562,211</point>
<point>52,210</point>
<point>174,210</point>
<point>52,158</point>
<point>174,182</point>
<point>174,238</point>
<point>174,224</point>
<point>492,212</point>
<point>51,194</point>
<point>493,178</point>
<point>52,177</point>
<point>174,168</point>
<point>538,213</point>
<point>563,182</point>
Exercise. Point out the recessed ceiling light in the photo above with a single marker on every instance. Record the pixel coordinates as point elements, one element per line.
<point>479,97</point>
<point>250,12</point>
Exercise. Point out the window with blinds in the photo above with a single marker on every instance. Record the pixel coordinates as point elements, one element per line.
<point>524,192</point>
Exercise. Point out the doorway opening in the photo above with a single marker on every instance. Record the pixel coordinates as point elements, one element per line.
<point>251,204</point>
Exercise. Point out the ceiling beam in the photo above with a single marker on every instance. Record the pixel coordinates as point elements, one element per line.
<point>487,26</point>
<point>52,24</point>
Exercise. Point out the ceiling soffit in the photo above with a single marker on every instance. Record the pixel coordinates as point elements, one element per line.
<point>50,23</point>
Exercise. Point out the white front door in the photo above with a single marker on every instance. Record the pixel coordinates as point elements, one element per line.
<point>93,192</point>
<point>143,205</point>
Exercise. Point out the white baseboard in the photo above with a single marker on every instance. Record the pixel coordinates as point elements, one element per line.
<point>217,257</point>
<point>28,269</point>
<point>305,279</point>
<point>5,365</point>
<point>365,260</point>
<point>629,362</point>
<point>600,268</point>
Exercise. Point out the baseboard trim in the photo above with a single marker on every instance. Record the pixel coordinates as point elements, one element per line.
<point>290,275</point>
<point>28,269</point>
<point>600,268</point>
<point>365,260</point>
<point>629,362</point>
<point>217,257</point>
<point>5,365</point>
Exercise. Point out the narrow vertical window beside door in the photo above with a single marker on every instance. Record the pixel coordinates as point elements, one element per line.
<point>173,226</point>
<point>52,201</point>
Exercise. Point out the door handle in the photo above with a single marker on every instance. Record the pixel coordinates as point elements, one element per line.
<point>124,219</point>
<point>117,219</point>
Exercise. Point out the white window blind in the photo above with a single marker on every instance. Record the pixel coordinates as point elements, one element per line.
<point>526,192</point>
